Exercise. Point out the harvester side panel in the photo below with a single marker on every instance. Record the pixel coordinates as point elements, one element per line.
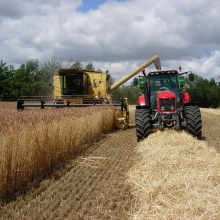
<point>96,83</point>
<point>57,88</point>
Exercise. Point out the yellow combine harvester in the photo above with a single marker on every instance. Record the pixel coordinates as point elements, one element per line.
<point>81,88</point>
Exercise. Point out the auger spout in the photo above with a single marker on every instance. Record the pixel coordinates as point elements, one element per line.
<point>155,60</point>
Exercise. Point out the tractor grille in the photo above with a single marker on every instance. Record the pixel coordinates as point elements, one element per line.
<point>167,104</point>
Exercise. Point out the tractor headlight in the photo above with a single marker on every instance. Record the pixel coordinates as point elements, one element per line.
<point>162,108</point>
<point>172,107</point>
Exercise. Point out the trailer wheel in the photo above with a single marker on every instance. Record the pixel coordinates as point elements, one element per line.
<point>193,120</point>
<point>143,126</point>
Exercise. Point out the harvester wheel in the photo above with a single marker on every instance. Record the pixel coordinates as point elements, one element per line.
<point>143,126</point>
<point>193,120</point>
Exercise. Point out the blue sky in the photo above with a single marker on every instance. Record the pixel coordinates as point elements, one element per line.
<point>92,4</point>
<point>89,4</point>
<point>118,35</point>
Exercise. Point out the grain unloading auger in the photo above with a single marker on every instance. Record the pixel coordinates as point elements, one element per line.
<point>81,88</point>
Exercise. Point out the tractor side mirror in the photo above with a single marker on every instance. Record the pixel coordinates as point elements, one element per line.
<point>191,77</point>
<point>135,81</point>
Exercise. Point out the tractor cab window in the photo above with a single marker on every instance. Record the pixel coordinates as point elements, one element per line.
<point>163,83</point>
<point>158,84</point>
<point>174,85</point>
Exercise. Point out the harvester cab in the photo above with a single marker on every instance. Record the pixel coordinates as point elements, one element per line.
<point>164,103</point>
<point>81,87</point>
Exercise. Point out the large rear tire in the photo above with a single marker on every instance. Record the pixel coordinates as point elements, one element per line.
<point>193,120</point>
<point>143,125</point>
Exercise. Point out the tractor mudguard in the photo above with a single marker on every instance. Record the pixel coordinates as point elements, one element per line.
<point>185,98</point>
<point>141,100</point>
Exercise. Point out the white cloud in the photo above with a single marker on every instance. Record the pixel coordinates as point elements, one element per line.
<point>207,67</point>
<point>117,36</point>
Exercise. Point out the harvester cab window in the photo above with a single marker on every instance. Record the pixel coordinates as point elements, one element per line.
<point>77,86</point>
<point>73,84</point>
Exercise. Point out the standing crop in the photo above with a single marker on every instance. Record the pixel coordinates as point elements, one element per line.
<point>33,141</point>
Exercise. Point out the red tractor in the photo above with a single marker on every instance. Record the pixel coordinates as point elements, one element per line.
<point>164,103</point>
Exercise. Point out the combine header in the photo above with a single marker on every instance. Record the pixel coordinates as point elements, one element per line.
<point>81,88</point>
<point>164,103</point>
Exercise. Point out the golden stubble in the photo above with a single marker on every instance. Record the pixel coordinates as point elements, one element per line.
<point>178,176</point>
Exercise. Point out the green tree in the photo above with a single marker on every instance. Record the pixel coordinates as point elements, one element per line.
<point>45,75</point>
<point>203,91</point>
<point>98,70</point>
<point>90,67</point>
<point>7,90</point>
<point>3,70</point>
<point>22,81</point>
<point>78,64</point>
<point>25,83</point>
<point>131,92</point>
<point>213,93</point>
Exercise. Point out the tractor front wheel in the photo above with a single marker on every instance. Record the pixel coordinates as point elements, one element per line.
<point>193,120</point>
<point>143,126</point>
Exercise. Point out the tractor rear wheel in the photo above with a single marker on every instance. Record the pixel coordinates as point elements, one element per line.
<point>193,120</point>
<point>143,125</point>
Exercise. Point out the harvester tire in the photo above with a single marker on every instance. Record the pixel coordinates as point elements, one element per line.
<point>143,126</point>
<point>193,120</point>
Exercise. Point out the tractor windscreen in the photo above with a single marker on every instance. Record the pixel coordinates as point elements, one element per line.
<point>170,82</point>
<point>165,83</point>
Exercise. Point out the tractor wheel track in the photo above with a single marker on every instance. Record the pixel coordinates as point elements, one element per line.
<point>91,186</point>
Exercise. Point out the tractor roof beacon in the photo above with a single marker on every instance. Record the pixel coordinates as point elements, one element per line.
<point>164,103</point>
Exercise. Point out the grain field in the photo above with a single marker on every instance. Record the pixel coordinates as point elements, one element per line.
<point>95,184</point>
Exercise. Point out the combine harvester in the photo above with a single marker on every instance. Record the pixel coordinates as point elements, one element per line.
<point>164,103</point>
<point>81,88</point>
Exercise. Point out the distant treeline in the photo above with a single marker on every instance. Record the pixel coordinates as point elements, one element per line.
<point>33,79</point>
<point>205,92</point>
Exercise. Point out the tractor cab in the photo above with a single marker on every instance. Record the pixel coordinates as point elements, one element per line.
<point>163,83</point>
<point>160,83</point>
